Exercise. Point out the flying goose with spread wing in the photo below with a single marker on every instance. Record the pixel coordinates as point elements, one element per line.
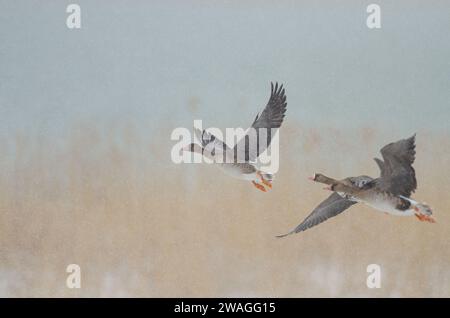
<point>240,161</point>
<point>389,193</point>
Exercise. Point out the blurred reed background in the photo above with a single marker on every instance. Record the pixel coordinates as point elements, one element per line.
<point>139,225</point>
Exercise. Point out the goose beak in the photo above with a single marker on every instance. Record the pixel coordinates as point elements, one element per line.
<point>328,188</point>
<point>312,178</point>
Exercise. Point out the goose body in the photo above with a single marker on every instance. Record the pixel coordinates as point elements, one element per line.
<point>243,171</point>
<point>385,202</point>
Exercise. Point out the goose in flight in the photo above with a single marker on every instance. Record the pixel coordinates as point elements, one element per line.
<point>240,161</point>
<point>389,193</point>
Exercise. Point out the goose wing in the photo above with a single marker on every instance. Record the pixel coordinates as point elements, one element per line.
<point>397,174</point>
<point>271,117</point>
<point>331,206</point>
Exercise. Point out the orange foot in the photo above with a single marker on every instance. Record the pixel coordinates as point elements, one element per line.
<point>425,218</point>
<point>264,181</point>
<point>259,186</point>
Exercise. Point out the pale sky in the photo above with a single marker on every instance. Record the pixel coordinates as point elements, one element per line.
<point>146,61</point>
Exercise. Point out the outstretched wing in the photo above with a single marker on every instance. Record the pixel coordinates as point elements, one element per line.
<point>397,173</point>
<point>270,118</point>
<point>332,206</point>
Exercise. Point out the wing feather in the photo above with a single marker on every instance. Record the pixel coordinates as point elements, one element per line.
<point>330,207</point>
<point>333,205</point>
<point>397,174</point>
<point>270,118</point>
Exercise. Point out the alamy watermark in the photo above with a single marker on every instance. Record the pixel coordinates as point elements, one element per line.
<point>74,278</point>
<point>374,278</point>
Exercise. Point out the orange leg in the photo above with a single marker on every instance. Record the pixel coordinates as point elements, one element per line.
<point>267,183</point>
<point>264,181</point>
<point>259,186</point>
